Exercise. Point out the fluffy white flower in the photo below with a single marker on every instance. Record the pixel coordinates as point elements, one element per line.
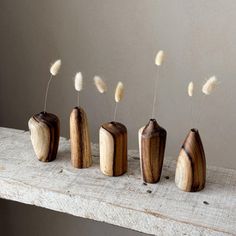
<point>210,85</point>
<point>100,84</point>
<point>55,67</point>
<point>159,58</point>
<point>79,81</point>
<point>119,93</point>
<point>190,89</point>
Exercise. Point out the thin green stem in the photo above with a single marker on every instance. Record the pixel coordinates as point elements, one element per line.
<point>78,100</point>
<point>46,95</point>
<point>191,112</point>
<point>115,112</point>
<point>201,109</point>
<point>154,98</point>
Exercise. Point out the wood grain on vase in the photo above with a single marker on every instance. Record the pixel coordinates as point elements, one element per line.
<point>190,173</point>
<point>45,133</point>
<point>81,156</point>
<point>113,149</point>
<point>152,142</point>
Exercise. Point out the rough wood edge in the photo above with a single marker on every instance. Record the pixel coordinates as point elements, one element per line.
<point>86,209</point>
<point>192,229</point>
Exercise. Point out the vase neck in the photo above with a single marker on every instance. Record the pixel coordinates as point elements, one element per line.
<point>153,124</point>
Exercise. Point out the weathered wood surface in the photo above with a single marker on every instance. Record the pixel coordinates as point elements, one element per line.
<point>160,209</point>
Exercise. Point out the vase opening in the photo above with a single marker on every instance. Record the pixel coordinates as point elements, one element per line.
<point>194,130</point>
<point>43,113</point>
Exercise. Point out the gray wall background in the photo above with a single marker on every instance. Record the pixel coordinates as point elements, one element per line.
<point>118,40</point>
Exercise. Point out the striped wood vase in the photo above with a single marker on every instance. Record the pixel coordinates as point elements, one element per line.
<point>190,173</point>
<point>45,133</point>
<point>113,149</point>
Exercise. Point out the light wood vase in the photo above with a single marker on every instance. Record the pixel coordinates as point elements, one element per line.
<point>190,173</point>
<point>152,142</point>
<point>45,133</point>
<point>81,156</point>
<point>113,149</point>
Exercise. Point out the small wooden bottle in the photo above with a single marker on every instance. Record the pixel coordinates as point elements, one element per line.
<point>113,149</point>
<point>45,133</point>
<point>152,142</point>
<point>80,142</point>
<point>190,175</point>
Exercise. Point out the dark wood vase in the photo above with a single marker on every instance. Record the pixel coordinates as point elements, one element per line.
<point>190,173</point>
<point>80,141</point>
<point>45,133</point>
<point>152,142</point>
<point>113,149</point>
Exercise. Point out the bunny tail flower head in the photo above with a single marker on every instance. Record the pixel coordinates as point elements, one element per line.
<point>55,67</point>
<point>159,58</point>
<point>210,85</point>
<point>119,93</point>
<point>190,89</point>
<point>78,81</point>
<point>100,84</point>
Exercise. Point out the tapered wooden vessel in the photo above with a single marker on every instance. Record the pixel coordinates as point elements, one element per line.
<point>113,149</point>
<point>152,142</point>
<point>190,173</point>
<point>80,141</point>
<point>45,133</point>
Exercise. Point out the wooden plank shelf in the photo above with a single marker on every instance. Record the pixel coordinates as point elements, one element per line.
<point>159,209</point>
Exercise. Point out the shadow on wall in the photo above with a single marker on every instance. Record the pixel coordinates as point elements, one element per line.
<point>18,219</point>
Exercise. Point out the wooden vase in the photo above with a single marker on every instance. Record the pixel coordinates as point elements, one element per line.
<point>152,142</point>
<point>190,175</point>
<point>45,133</point>
<point>81,156</point>
<point>113,149</point>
